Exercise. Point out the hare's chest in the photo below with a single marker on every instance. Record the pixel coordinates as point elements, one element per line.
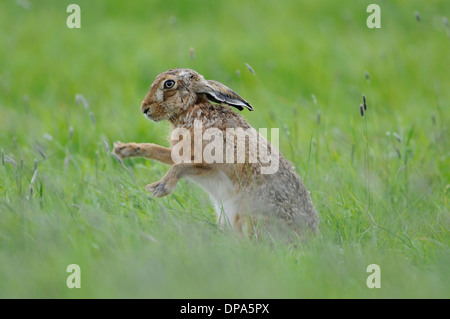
<point>218,185</point>
<point>221,191</point>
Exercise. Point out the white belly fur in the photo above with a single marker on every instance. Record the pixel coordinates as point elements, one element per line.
<point>221,191</point>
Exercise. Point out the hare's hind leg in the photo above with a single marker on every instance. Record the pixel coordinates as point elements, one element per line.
<point>147,150</point>
<point>241,224</point>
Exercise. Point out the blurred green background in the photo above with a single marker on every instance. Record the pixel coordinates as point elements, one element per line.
<point>380,182</point>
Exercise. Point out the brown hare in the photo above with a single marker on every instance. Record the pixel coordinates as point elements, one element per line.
<point>244,195</point>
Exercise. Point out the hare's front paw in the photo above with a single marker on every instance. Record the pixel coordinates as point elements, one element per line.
<point>160,189</point>
<point>125,149</point>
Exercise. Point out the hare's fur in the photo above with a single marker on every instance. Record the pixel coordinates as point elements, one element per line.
<point>241,194</point>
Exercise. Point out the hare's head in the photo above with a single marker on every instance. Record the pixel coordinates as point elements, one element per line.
<point>178,89</point>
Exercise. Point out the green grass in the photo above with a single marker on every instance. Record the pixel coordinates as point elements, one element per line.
<point>88,209</point>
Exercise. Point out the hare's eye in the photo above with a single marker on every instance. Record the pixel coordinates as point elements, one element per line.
<point>169,84</point>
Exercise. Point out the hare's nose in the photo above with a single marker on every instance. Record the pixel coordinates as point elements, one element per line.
<point>145,108</point>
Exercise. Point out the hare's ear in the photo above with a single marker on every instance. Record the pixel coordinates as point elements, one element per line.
<point>219,93</point>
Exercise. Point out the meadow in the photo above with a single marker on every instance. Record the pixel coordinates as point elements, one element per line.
<point>380,182</point>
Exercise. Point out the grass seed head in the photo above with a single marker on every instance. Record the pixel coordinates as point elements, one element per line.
<point>250,68</point>
<point>11,160</point>
<point>48,137</point>
<point>41,152</point>
<point>105,144</point>
<point>79,98</point>
<point>417,15</point>
<point>361,109</point>
<point>397,137</point>
<point>34,176</point>
<point>93,120</point>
